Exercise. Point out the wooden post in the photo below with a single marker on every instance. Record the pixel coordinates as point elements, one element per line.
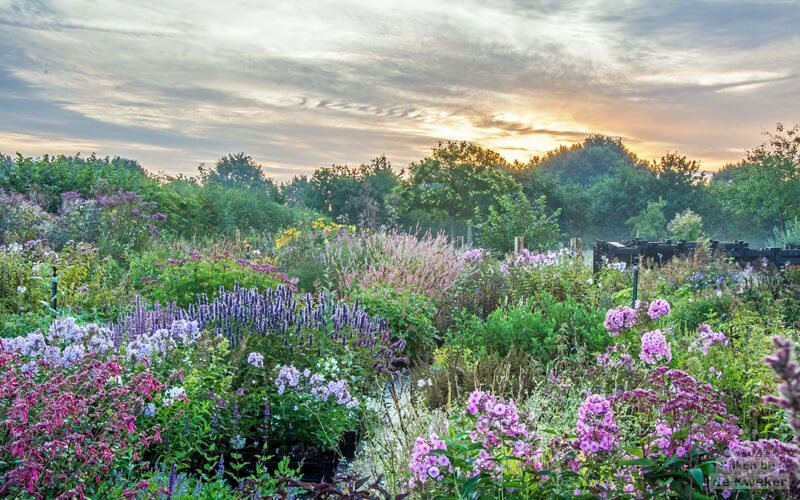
<point>576,247</point>
<point>459,241</point>
<point>519,244</point>
<point>469,234</point>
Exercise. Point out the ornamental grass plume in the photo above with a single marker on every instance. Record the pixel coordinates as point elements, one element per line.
<point>783,364</point>
<point>428,266</point>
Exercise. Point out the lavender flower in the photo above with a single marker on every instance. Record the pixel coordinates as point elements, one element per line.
<point>658,308</point>
<point>256,360</point>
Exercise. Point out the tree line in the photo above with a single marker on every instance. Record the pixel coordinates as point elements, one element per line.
<point>594,189</point>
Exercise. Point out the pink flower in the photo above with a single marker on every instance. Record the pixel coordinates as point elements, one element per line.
<point>658,308</point>
<point>655,348</point>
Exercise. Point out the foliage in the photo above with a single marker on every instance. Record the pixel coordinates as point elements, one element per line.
<point>352,195</point>
<point>543,327</point>
<point>183,278</point>
<point>515,216</point>
<point>409,315</point>
<point>20,219</point>
<point>455,179</point>
<point>650,222</point>
<point>686,225</point>
<point>789,235</point>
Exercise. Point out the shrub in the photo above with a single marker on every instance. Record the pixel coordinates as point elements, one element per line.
<point>409,316</point>
<point>20,220</point>
<point>530,273</point>
<point>686,225</point>
<point>183,278</point>
<point>544,328</point>
<point>515,216</point>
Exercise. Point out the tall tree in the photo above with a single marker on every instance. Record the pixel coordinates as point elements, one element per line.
<point>677,180</point>
<point>766,186</point>
<point>456,178</point>
<point>598,156</point>
<point>239,171</point>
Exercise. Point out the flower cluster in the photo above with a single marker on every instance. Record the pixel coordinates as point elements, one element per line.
<point>66,430</point>
<point>475,255</point>
<point>255,359</point>
<point>425,464</point>
<point>173,394</point>
<point>528,259</point>
<point>273,312</point>
<point>677,402</point>
<point>621,318</point>
<point>769,458</point>
<point>497,423</point>
<point>160,341</point>
<point>655,348</point>
<point>783,364</point>
<point>64,343</point>
<point>706,337</point>
<point>315,384</point>
<point>595,425</point>
<point>658,308</point>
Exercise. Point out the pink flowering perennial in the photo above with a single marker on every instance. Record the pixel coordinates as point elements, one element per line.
<point>596,429</point>
<point>619,319</point>
<point>426,465</point>
<point>655,348</point>
<point>706,337</point>
<point>658,308</point>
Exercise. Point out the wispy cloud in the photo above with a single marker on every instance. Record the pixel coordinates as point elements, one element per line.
<point>304,84</point>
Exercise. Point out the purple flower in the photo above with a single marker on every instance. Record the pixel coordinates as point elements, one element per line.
<point>595,426</point>
<point>621,318</point>
<point>256,360</point>
<point>654,348</point>
<point>658,308</point>
<point>706,338</point>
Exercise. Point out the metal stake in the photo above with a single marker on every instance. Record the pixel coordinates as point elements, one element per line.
<point>54,289</point>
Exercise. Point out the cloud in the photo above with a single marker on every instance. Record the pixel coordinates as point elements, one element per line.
<point>300,84</point>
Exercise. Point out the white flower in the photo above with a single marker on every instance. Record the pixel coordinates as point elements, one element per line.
<point>22,289</point>
<point>172,394</point>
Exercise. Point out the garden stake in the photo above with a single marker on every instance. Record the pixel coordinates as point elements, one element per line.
<point>635,284</point>
<point>53,289</point>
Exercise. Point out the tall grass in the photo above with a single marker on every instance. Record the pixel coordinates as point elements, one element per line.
<point>428,266</point>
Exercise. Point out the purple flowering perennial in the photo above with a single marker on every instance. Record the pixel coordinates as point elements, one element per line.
<point>275,311</point>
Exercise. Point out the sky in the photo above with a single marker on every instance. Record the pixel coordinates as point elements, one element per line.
<point>299,85</point>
